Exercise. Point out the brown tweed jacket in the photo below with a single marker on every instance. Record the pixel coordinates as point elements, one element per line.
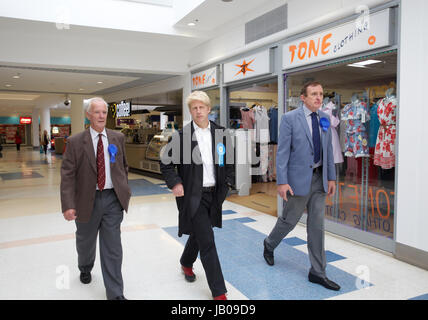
<point>79,174</point>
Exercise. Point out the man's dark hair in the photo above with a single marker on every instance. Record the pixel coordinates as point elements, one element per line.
<point>304,90</point>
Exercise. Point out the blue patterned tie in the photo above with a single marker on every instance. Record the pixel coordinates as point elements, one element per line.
<point>316,137</point>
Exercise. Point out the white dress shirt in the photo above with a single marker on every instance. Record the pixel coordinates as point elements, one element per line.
<point>309,121</point>
<point>94,135</point>
<point>204,138</point>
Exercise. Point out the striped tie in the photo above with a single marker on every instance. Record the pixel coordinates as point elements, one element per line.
<point>101,170</point>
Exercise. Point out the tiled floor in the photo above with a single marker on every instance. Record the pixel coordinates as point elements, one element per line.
<point>38,256</point>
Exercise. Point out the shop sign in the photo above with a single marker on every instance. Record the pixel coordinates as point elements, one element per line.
<point>250,66</point>
<point>362,34</point>
<point>123,109</point>
<point>204,79</point>
<point>25,120</point>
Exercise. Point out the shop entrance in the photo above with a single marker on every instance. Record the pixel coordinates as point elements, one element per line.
<point>253,108</point>
<point>360,97</point>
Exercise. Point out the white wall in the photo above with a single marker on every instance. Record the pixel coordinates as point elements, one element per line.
<point>303,15</point>
<point>412,204</point>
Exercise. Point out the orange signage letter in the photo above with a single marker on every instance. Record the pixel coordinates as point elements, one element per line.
<point>292,49</point>
<point>305,47</point>
<point>313,49</point>
<point>325,44</point>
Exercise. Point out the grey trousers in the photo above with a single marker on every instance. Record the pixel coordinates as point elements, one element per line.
<point>292,212</point>
<point>106,218</point>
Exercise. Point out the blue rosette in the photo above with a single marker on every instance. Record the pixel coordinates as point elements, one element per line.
<point>221,150</point>
<point>324,123</point>
<point>112,150</point>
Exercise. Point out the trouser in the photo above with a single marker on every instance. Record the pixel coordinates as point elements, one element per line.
<point>45,148</point>
<point>18,146</point>
<point>292,212</point>
<point>106,218</point>
<point>202,240</point>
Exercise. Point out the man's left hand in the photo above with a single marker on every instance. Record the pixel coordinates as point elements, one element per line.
<point>331,187</point>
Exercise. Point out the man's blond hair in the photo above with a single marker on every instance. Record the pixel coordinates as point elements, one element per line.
<point>198,96</point>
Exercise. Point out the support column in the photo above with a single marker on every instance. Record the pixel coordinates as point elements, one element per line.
<point>77,109</point>
<point>35,137</point>
<point>45,120</point>
<point>186,91</point>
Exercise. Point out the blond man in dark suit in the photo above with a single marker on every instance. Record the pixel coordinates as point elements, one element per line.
<point>94,193</point>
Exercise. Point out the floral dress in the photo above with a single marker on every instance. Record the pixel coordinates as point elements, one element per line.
<point>356,140</point>
<point>384,155</point>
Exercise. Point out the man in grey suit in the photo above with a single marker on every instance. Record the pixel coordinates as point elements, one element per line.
<point>94,193</point>
<point>305,175</point>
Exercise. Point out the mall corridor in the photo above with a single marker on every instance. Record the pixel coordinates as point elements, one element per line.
<point>38,258</point>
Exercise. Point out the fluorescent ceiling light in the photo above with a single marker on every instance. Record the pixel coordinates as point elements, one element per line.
<point>11,96</point>
<point>364,63</point>
<point>191,24</point>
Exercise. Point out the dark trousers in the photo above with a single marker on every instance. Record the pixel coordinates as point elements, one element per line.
<point>106,218</point>
<point>45,148</point>
<point>18,146</point>
<point>202,240</point>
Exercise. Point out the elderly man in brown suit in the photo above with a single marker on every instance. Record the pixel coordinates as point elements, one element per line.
<point>94,193</point>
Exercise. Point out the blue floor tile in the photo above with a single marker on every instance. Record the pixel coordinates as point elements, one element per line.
<point>20,175</point>
<point>240,250</point>
<point>294,241</point>
<point>331,256</point>
<point>422,297</point>
<point>228,212</point>
<point>142,187</point>
<point>245,220</point>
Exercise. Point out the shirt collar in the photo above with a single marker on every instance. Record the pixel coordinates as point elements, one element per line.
<point>308,112</point>
<point>94,134</point>
<point>196,127</point>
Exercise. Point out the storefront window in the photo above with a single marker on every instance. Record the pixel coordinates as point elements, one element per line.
<point>360,97</point>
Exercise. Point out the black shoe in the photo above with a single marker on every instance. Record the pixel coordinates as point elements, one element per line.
<point>267,254</point>
<point>85,277</point>
<point>325,282</point>
<point>120,298</point>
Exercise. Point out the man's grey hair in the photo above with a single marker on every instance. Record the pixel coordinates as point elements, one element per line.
<point>90,101</point>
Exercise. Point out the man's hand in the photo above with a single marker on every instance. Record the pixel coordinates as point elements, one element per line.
<point>178,190</point>
<point>283,189</point>
<point>331,187</point>
<point>70,214</point>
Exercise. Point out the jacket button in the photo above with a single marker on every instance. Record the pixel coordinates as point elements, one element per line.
<point>310,167</point>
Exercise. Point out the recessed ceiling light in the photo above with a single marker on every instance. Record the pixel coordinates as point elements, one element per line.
<point>8,85</point>
<point>81,89</point>
<point>16,76</point>
<point>191,24</point>
<point>99,82</point>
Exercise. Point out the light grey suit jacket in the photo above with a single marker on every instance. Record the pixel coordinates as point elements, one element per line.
<point>295,155</point>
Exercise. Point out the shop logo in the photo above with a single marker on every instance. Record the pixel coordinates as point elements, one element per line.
<point>244,67</point>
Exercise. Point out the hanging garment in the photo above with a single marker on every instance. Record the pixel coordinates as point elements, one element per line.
<point>385,144</point>
<point>248,120</point>
<point>261,124</point>
<point>356,140</point>
<point>373,126</point>
<point>273,124</point>
<point>334,121</point>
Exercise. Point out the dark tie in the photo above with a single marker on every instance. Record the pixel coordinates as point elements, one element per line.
<point>316,137</point>
<point>101,170</point>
